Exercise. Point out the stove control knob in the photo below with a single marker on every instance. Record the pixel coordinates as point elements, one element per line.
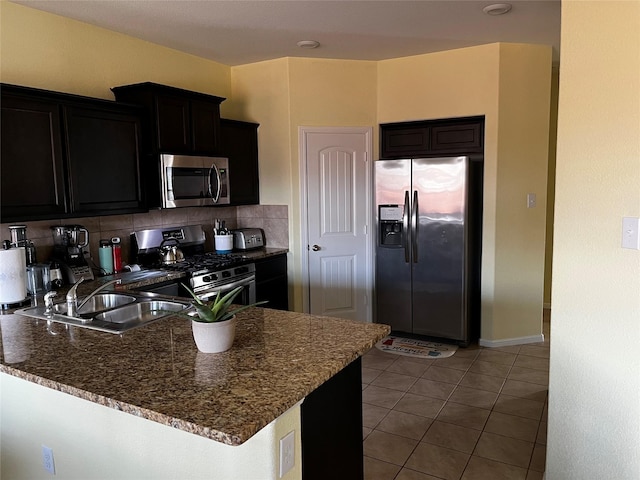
<point>242,270</point>
<point>206,278</point>
<point>226,274</point>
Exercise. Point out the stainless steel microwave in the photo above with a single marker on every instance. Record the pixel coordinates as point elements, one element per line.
<point>191,181</point>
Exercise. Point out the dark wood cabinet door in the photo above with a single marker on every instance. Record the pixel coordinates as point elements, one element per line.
<point>271,282</point>
<point>457,138</point>
<point>103,153</point>
<point>432,138</point>
<point>331,424</point>
<point>32,181</point>
<point>404,141</point>
<point>172,122</point>
<point>185,122</point>
<point>205,127</point>
<point>239,142</point>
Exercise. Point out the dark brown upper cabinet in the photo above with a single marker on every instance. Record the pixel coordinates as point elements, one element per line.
<point>178,121</point>
<point>239,142</point>
<point>67,156</point>
<point>32,183</point>
<point>103,152</point>
<point>428,138</point>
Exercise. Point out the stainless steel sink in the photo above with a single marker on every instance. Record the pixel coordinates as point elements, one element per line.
<point>112,312</point>
<point>141,312</point>
<point>98,303</point>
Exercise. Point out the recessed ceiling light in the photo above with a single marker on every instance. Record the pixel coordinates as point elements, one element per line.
<point>308,44</point>
<point>497,8</point>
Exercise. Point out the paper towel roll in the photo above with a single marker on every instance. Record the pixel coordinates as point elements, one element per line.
<point>13,268</point>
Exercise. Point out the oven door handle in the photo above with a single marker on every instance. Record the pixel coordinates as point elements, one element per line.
<point>227,286</point>
<point>214,170</point>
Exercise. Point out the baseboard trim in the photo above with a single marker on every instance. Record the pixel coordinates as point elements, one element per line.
<point>507,342</point>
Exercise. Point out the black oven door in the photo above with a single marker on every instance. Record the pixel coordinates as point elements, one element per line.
<point>246,297</point>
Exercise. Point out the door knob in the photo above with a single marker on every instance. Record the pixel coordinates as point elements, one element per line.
<point>315,248</point>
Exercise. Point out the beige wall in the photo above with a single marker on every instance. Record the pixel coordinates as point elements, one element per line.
<point>325,93</point>
<point>594,387</point>
<point>288,93</point>
<point>510,85</point>
<point>523,149</point>
<point>263,91</point>
<point>55,53</point>
<point>91,441</point>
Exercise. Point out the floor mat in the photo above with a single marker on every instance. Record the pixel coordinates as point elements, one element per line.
<point>415,348</point>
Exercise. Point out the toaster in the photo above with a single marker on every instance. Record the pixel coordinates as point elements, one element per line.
<point>248,238</point>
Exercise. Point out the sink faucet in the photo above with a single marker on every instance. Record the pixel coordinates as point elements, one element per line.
<point>72,297</point>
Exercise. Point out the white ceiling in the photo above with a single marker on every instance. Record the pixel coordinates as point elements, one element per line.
<point>235,32</point>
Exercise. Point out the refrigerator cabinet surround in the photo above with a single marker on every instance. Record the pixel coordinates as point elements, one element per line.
<point>424,273</point>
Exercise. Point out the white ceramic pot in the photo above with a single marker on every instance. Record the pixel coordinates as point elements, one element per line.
<point>223,243</point>
<point>214,337</point>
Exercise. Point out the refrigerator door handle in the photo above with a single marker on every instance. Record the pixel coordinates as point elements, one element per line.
<point>414,227</point>
<point>405,226</point>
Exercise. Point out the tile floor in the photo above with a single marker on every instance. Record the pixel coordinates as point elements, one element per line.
<point>480,414</point>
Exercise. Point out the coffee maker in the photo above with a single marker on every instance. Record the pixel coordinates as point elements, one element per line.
<point>68,244</point>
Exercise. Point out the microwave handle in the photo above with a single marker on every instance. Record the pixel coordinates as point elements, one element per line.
<point>214,169</point>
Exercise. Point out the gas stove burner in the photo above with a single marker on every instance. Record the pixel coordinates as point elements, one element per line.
<point>202,263</point>
<point>146,243</point>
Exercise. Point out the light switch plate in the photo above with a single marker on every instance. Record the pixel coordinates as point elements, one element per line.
<point>631,233</point>
<point>531,200</point>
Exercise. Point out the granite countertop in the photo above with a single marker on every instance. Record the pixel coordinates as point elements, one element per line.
<point>156,372</point>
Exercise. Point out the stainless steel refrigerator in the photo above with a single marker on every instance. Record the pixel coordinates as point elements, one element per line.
<point>428,246</point>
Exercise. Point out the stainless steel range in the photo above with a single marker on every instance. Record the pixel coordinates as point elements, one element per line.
<point>207,273</point>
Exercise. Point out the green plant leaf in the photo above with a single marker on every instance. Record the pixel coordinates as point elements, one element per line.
<point>215,310</point>
<point>191,292</point>
<point>205,312</point>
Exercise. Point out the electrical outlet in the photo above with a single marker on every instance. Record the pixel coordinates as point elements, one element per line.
<point>47,460</point>
<point>287,453</point>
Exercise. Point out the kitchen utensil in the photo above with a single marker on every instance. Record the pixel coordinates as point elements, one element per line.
<point>38,279</point>
<point>55,275</point>
<point>223,243</point>
<point>18,234</point>
<point>69,236</point>
<point>19,239</point>
<point>69,241</point>
<point>169,251</point>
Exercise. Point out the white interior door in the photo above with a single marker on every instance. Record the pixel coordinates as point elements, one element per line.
<point>339,256</point>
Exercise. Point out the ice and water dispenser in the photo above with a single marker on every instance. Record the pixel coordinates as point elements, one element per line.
<point>390,223</point>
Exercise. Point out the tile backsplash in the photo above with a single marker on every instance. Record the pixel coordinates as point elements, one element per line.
<point>273,219</point>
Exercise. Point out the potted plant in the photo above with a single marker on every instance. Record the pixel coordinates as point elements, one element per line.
<point>214,324</point>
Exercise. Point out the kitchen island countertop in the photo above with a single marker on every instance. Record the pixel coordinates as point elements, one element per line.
<point>156,372</point>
